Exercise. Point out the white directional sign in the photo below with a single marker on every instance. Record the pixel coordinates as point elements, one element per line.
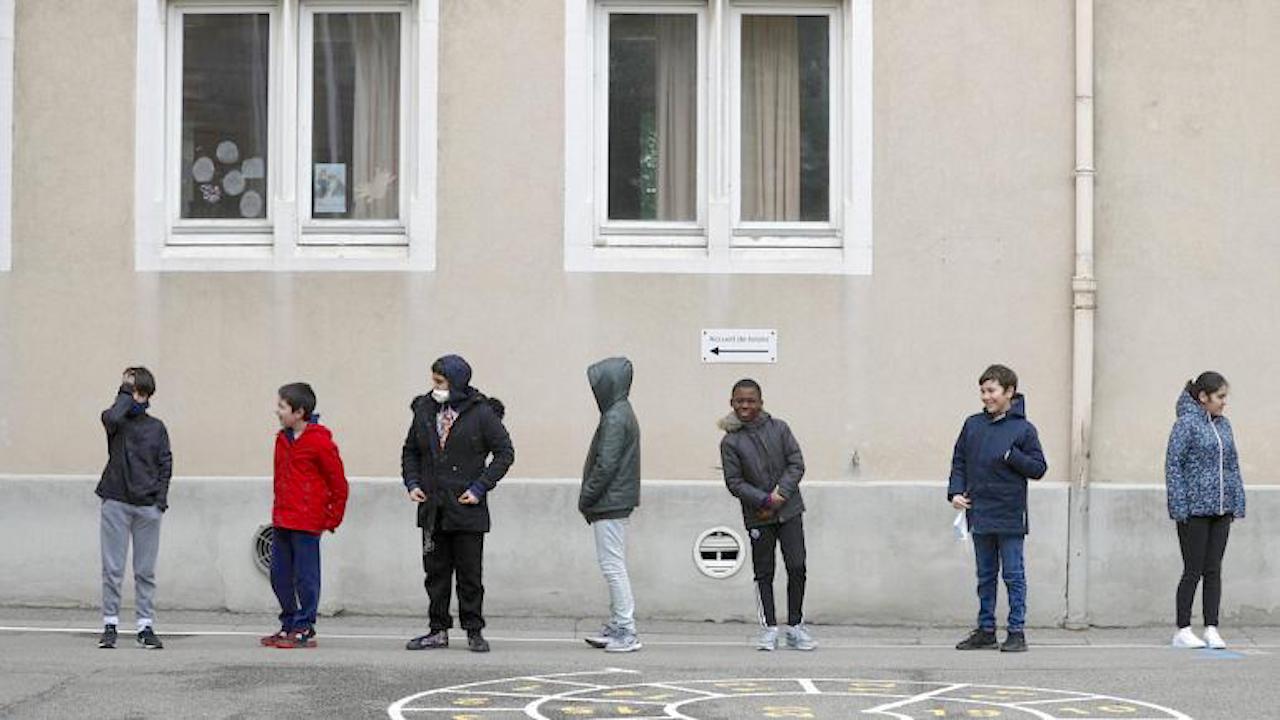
<point>739,346</point>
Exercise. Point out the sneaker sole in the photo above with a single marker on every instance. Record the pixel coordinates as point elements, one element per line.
<point>809,648</point>
<point>630,648</point>
<point>597,644</point>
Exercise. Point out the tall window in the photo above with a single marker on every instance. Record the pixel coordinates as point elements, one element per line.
<point>725,135</point>
<point>298,134</point>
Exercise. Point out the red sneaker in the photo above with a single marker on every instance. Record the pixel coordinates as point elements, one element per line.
<point>271,640</point>
<point>297,640</point>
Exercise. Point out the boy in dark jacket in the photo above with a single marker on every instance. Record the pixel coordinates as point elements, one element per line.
<point>762,467</point>
<point>446,467</point>
<point>135,493</point>
<point>610,492</point>
<point>997,452</point>
<point>310,498</point>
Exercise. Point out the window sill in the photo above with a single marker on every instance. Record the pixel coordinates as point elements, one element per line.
<point>851,260</point>
<point>301,258</point>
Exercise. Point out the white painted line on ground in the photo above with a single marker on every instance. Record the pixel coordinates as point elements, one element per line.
<point>809,687</point>
<point>887,708</point>
<point>745,642</point>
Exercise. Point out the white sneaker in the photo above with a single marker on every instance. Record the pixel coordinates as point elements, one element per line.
<point>1213,639</point>
<point>768,639</point>
<point>1186,639</point>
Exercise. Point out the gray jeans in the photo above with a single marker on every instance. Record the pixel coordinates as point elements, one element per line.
<point>611,552</point>
<point>120,523</point>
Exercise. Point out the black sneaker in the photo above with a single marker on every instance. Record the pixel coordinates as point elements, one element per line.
<point>108,639</point>
<point>979,640</point>
<point>1016,641</point>
<point>434,640</point>
<point>147,639</point>
<point>476,642</point>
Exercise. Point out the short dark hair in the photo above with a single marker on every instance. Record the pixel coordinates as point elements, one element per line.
<point>143,381</point>
<point>299,397</point>
<point>747,384</point>
<point>1208,382</point>
<point>1002,375</point>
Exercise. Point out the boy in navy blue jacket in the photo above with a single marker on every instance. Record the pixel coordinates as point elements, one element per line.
<point>997,452</point>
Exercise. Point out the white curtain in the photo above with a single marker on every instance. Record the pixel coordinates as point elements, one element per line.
<point>677,116</point>
<point>770,119</point>
<point>376,125</point>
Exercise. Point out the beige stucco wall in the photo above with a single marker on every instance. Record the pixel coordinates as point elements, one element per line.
<point>1188,258</point>
<point>972,232</point>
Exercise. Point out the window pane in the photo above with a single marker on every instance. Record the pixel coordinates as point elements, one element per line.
<point>225,61</point>
<point>786,81</point>
<point>355,137</point>
<point>653,117</point>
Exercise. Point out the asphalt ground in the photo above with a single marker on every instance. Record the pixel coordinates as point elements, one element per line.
<point>213,667</point>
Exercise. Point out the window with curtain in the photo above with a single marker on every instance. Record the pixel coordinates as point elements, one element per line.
<point>653,117</point>
<point>223,155</point>
<point>355,106</point>
<point>785,133</point>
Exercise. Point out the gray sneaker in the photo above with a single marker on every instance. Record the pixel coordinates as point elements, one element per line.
<point>601,639</point>
<point>768,640</point>
<point>798,638</point>
<point>623,642</point>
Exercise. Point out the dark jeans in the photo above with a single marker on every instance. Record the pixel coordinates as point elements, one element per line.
<point>764,543</point>
<point>1203,541</point>
<point>459,554</point>
<point>295,577</point>
<point>997,555</point>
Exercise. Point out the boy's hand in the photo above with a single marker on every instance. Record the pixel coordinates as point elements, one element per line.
<point>127,378</point>
<point>776,499</point>
<point>417,495</point>
<point>467,498</point>
<point>960,502</point>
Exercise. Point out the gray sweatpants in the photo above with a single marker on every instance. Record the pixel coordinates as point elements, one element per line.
<point>120,523</point>
<point>611,553</point>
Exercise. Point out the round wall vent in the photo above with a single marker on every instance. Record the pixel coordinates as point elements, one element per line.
<point>718,553</point>
<point>262,549</point>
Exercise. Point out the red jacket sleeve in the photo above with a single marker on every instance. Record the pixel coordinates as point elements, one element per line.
<point>335,479</point>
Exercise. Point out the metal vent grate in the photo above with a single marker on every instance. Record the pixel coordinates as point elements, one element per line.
<point>718,553</point>
<point>262,549</point>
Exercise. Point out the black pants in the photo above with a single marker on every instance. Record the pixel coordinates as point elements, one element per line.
<point>1203,541</point>
<point>460,554</point>
<point>764,543</point>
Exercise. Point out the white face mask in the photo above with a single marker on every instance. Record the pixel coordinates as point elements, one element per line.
<point>441,396</point>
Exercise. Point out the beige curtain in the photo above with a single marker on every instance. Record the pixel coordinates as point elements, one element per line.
<point>376,125</point>
<point>677,116</point>
<point>770,119</point>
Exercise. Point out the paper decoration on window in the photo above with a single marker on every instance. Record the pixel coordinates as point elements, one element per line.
<point>228,152</point>
<point>377,187</point>
<point>212,194</point>
<point>251,205</point>
<point>202,170</point>
<point>253,169</point>
<point>233,183</point>
<point>329,194</point>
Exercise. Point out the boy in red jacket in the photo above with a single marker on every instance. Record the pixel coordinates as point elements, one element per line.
<point>310,497</point>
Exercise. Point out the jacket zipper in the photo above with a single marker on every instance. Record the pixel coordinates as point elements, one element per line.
<point>1222,470</point>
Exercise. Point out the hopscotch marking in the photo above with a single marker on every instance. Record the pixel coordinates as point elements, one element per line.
<point>571,695</point>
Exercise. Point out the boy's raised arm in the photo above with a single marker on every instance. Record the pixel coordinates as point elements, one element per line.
<point>114,415</point>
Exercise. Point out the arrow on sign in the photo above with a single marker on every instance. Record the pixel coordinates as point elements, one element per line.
<point>718,350</point>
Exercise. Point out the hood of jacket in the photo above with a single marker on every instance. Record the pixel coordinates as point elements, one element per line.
<point>610,381</point>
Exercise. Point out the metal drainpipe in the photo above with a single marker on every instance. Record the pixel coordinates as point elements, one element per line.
<point>1084,291</point>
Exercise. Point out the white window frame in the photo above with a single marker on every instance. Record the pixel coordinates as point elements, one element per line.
<point>347,232</point>
<point>641,233</point>
<point>799,234</point>
<point>286,239</point>
<point>842,246</point>
<point>6,133</point>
